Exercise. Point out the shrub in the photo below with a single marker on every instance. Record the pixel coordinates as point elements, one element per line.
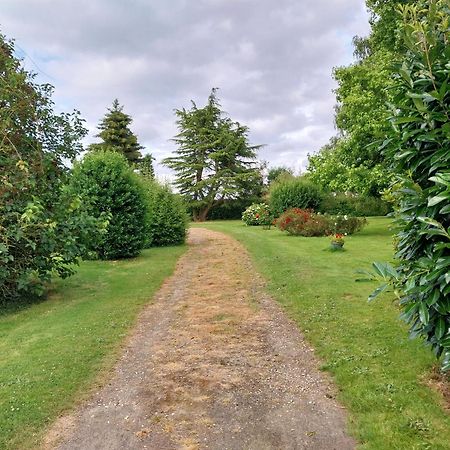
<point>43,229</point>
<point>357,205</point>
<point>418,147</point>
<point>108,187</point>
<point>346,224</point>
<point>302,222</point>
<point>232,209</point>
<point>167,217</point>
<point>293,193</point>
<point>257,214</point>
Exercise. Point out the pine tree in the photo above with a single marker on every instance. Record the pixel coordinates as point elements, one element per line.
<point>145,167</point>
<point>214,162</point>
<point>116,134</point>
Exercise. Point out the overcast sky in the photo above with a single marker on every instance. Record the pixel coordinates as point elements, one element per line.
<point>271,59</point>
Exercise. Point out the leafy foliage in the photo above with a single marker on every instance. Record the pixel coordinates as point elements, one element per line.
<point>214,162</point>
<point>276,173</point>
<point>257,214</point>
<point>354,205</point>
<point>116,134</point>
<point>167,217</point>
<point>296,192</point>
<point>334,170</point>
<point>109,188</point>
<point>419,149</point>
<point>351,161</point>
<point>43,229</point>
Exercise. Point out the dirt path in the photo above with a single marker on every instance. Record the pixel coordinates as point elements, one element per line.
<point>212,364</point>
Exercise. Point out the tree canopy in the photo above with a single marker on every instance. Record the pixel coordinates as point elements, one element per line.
<point>214,161</point>
<point>364,89</point>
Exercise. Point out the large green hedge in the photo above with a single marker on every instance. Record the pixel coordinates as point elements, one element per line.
<point>295,192</point>
<point>108,187</point>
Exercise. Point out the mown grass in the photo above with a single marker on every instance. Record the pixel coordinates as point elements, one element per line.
<point>381,374</point>
<point>52,353</point>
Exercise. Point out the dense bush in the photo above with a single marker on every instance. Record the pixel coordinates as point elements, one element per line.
<point>257,214</point>
<point>43,229</point>
<point>293,193</point>
<point>109,188</point>
<point>418,147</point>
<point>356,205</point>
<point>303,222</point>
<point>167,217</point>
<point>232,209</point>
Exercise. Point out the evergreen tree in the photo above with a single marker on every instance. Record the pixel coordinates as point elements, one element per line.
<point>116,134</point>
<point>145,167</point>
<point>214,162</point>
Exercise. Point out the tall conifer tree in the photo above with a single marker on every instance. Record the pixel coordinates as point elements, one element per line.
<point>116,134</point>
<point>214,162</point>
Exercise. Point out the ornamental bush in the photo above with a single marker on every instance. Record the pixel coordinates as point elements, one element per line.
<point>109,188</point>
<point>257,214</point>
<point>167,217</point>
<point>303,222</point>
<point>296,192</point>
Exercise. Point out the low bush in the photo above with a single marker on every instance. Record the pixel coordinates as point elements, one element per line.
<point>257,214</point>
<point>293,192</point>
<point>167,217</point>
<point>108,187</point>
<point>303,222</point>
<point>356,205</point>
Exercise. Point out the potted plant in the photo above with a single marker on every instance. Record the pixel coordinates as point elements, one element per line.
<point>337,241</point>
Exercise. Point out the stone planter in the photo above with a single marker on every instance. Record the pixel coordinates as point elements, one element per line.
<point>337,245</point>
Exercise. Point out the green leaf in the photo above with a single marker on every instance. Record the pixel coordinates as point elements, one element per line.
<point>424,313</point>
<point>440,328</point>
<point>377,292</point>
<point>437,199</point>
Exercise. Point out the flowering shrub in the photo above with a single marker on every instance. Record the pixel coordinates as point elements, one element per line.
<point>303,222</point>
<point>347,224</point>
<point>257,214</point>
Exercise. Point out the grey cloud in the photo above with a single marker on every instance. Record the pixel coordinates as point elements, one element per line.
<point>271,60</point>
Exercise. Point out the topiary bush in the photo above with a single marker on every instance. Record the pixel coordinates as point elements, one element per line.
<point>257,214</point>
<point>108,187</point>
<point>167,217</point>
<point>293,193</point>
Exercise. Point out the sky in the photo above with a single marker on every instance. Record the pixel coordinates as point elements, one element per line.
<point>272,61</point>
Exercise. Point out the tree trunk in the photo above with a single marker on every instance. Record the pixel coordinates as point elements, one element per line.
<point>201,214</point>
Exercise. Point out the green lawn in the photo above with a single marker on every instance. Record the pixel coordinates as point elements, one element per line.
<point>380,373</point>
<point>52,353</point>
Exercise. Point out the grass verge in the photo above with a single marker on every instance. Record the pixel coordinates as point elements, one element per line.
<point>52,353</point>
<point>381,374</point>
